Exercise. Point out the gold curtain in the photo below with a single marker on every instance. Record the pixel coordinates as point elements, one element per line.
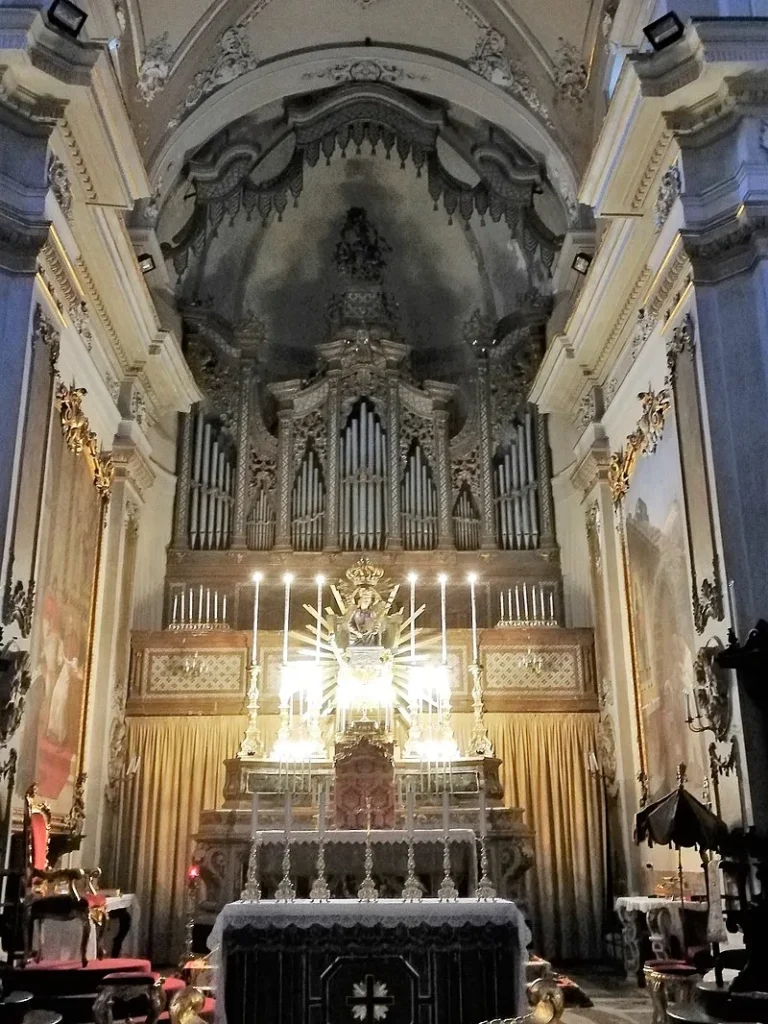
<point>544,770</point>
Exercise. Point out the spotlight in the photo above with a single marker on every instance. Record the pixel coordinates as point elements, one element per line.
<point>67,17</point>
<point>146,262</point>
<point>257,577</point>
<point>665,31</point>
<point>581,262</point>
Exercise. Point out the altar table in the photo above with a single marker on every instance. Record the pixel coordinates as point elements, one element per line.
<point>345,961</point>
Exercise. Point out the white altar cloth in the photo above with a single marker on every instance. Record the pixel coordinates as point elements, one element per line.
<point>378,835</point>
<point>378,914</point>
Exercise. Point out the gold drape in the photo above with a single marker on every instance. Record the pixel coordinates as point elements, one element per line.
<point>544,770</point>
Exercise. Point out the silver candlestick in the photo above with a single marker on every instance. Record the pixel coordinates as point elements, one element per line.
<point>252,890</point>
<point>368,893</point>
<point>412,888</point>
<point>286,891</point>
<point>485,889</point>
<point>447,890</point>
<point>320,891</point>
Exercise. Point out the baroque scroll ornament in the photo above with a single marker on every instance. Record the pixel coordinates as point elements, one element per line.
<point>642,441</point>
<point>80,439</point>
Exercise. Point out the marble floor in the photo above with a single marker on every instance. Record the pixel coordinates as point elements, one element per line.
<point>616,1001</point>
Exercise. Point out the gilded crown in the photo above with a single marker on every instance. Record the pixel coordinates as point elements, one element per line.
<point>364,573</point>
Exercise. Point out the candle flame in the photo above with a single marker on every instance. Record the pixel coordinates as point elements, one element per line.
<point>472,578</point>
<point>319,579</point>
<point>288,578</point>
<point>257,577</point>
<point>442,578</point>
<point>412,577</point>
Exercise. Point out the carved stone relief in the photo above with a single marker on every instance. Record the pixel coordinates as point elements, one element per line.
<point>155,68</point>
<point>668,191</point>
<point>58,182</point>
<point>570,73</point>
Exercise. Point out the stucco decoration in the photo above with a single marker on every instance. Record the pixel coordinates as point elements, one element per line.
<point>155,68</point>
<point>58,181</point>
<point>491,61</point>
<point>570,73</point>
<point>233,58</point>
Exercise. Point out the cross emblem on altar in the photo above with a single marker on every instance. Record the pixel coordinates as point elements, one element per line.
<point>370,1001</point>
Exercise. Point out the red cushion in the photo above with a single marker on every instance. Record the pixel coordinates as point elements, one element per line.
<point>95,899</point>
<point>173,985</point>
<point>130,978</point>
<point>108,965</point>
<point>38,827</point>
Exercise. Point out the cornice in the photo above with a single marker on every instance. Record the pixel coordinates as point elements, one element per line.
<point>132,464</point>
<point>732,247</point>
<point>594,463</point>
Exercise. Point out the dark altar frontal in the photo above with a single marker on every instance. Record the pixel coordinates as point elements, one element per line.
<point>407,963</point>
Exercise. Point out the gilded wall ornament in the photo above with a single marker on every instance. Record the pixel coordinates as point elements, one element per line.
<point>707,600</point>
<point>76,817</point>
<point>642,441</point>
<point>81,440</point>
<point>45,331</point>
<point>15,680</point>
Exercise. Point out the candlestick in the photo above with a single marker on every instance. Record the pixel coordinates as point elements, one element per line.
<point>409,802</point>
<point>224,609</point>
<point>200,604</point>
<point>254,815</point>
<point>319,580</point>
<point>525,600</point>
<point>182,608</point>
<point>472,579</point>
<point>257,577</point>
<point>286,891</point>
<point>732,607</point>
<point>252,890</point>
<point>443,579</point>
<point>208,605</point>
<point>215,606</point>
<point>517,602</point>
<point>191,605</point>
<point>481,793</point>
<point>446,812</point>
<point>551,607</point>
<point>287,579</point>
<point>321,807</point>
<point>175,608</point>
<point>368,893</point>
<point>412,580</point>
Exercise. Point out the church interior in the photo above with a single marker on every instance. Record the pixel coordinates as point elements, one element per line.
<point>365,652</point>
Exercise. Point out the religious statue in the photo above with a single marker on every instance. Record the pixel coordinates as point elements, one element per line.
<point>366,619</point>
<point>361,251</point>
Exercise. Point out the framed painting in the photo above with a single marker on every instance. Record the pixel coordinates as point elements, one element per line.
<point>77,479</point>
<point>658,589</point>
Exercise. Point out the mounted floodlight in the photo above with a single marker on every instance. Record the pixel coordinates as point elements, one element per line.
<point>147,262</point>
<point>67,17</point>
<point>581,263</point>
<point>665,31</point>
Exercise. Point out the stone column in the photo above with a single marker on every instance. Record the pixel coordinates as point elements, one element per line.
<point>332,428</point>
<point>488,539</point>
<point>445,519</point>
<point>394,527</point>
<point>183,478</point>
<point>284,479</point>
<point>243,456</point>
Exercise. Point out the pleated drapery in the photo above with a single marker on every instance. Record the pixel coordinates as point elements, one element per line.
<point>181,772</point>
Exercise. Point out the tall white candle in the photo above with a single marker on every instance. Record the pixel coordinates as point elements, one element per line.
<point>287,579</point>
<point>182,607</point>
<point>481,787</point>
<point>254,815</point>
<point>409,808</point>
<point>472,579</point>
<point>551,606</point>
<point>525,600</point>
<point>254,645</point>
<point>412,580</point>
<point>191,608</point>
<point>175,607</point>
<point>215,606</point>
<point>200,604</point>
<point>322,796</point>
<point>443,579</point>
<point>501,605</point>
<point>446,812</point>
<point>319,580</point>
<point>517,601</point>
<point>208,605</point>
<point>224,608</point>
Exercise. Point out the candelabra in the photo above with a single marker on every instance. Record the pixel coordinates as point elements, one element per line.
<point>252,890</point>
<point>368,893</point>
<point>480,743</point>
<point>711,702</point>
<point>447,890</point>
<point>320,892</point>
<point>412,888</point>
<point>252,745</point>
<point>193,882</point>
<point>286,891</point>
<point>485,889</point>
<point>530,662</point>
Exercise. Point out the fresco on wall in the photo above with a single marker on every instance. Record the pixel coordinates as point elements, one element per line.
<point>69,548</point>
<point>662,620</point>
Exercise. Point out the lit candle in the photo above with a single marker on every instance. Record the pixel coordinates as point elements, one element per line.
<point>224,609</point>
<point>501,605</point>
<point>319,580</point>
<point>481,787</point>
<point>257,577</point>
<point>215,606</point>
<point>254,815</point>
<point>409,801</point>
<point>175,607</point>
<point>191,607</point>
<point>551,606</point>
<point>525,600</point>
<point>287,579</point>
<point>412,577</point>
<point>472,579</point>
<point>732,607</point>
<point>182,607</point>
<point>321,811</point>
<point>200,604</point>
<point>446,812</point>
<point>208,605</point>
<point>443,579</point>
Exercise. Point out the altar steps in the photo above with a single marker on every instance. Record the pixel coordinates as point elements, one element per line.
<point>70,989</point>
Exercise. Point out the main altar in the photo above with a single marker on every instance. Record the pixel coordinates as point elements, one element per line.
<point>364,778</point>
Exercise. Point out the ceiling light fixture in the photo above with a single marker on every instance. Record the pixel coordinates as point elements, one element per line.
<point>146,262</point>
<point>665,31</point>
<point>67,17</point>
<point>581,262</point>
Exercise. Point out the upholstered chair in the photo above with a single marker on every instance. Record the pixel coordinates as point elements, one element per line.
<point>62,894</point>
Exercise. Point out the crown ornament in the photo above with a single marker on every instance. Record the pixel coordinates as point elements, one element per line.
<point>364,573</point>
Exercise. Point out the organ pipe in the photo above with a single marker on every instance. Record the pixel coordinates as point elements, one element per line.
<point>466,522</point>
<point>418,503</point>
<point>211,488</point>
<point>260,524</point>
<point>363,483</point>
<point>307,505</point>
<point>516,486</point>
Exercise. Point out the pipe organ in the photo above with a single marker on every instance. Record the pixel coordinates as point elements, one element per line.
<point>363,461</point>
<point>418,503</point>
<point>466,521</point>
<point>211,487</point>
<point>308,505</point>
<point>260,523</point>
<point>516,489</point>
